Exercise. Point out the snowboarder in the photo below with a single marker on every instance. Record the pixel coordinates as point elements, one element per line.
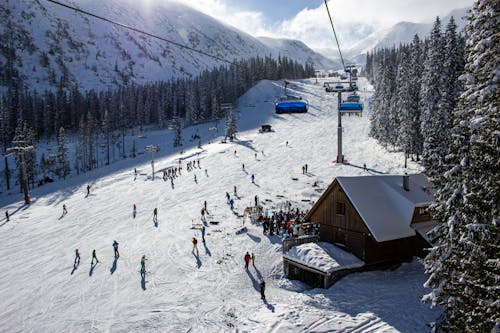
<point>77,258</point>
<point>143,265</point>
<point>253,179</point>
<point>7,215</point>
<point>115,247</point>
<point>247,260</point>
<point>253,259</point>
<point>155,215</point>
<point>94,257</point>
<point>88,189</point>
<point>262,286</point>
<point>65,211</point>
<point>203,234</point>
<point>195,245</point>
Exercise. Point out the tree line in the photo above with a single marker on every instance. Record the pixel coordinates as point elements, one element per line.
<point>101,118</point>
<point>440,99</point>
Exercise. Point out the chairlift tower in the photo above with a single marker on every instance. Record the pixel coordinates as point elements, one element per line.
<point>20,148</point>
<point>152,149</point>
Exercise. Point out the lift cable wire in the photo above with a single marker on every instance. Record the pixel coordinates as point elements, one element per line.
<point>182,46</point>
<point>335,34</point>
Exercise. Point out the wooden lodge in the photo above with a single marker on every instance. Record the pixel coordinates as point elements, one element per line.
<point>377,218</point>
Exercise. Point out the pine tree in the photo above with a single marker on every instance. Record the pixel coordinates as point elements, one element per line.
<point>434,121</point>
<point>231,125</point>
<point>62,154</point>
<point>464,263</point>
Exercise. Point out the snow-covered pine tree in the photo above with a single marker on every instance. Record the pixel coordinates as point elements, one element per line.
<point>434,121</point>
<point>62,155</point>
<point>231,125</point>
<point>404,102</point>
<point>414,79</point>
<point>464,264</point>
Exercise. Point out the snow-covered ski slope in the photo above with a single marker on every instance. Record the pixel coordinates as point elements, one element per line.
<point>210,292</point>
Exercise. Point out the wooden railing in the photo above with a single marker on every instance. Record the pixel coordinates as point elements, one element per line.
<point>290,242</point>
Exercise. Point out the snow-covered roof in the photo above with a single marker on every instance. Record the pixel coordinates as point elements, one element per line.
<point>385,207</point>
<point>323,256</point>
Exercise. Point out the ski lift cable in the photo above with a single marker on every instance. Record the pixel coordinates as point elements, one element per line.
<point>335,34</point>
<point>182,46</point>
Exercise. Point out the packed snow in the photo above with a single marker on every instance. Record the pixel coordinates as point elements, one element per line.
<point>206,291</point>
<point>323,256</point>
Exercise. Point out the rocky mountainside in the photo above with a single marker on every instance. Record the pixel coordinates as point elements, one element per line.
<point>44,45</point>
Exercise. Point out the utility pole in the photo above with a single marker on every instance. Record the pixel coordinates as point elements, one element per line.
<point>20,149</point>
<point>340,158</point>
<point>152,149</point>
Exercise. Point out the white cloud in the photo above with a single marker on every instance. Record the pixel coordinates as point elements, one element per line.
<point>353,19</point>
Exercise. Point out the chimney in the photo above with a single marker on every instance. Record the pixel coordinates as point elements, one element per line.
<point>406,182</point>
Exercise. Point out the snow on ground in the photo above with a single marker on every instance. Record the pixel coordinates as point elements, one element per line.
<point>40,291</point>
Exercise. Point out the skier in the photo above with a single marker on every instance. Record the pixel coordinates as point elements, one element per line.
<point>227,197</point>
<point>203,213</point>
<point>115,247</point>
<point>253,259</point>
<point>243,166</point>
<point>247,260</point>
<point>134,211</point>
<point>195,180</point>
<point>143,265</point>
<point>253,179</point>
<point>155,215</point>
<point>94,257</point>
<point>287,143</point>
<point>135,172</point>
<point>256,200</point>
<point>7,215</point>
<point>262,286</point>
<point>65,211</point>
<point>231,203</point>
<point>203,234</point>
<point>205,205</point>
<point>88,189</point>
<point>364,166</point>
<point>77,258</point>
<point>195,245</point>
<point>206,172</point>
<point>305,167</point>
<point>255,155</point>
<point>235,194</point>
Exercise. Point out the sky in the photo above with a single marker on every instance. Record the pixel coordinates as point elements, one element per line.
<point>307,20</point>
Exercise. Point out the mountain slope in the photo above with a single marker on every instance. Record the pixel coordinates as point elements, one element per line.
<point>301,52</point>
<point>44,42</point>
<point>402,32</point>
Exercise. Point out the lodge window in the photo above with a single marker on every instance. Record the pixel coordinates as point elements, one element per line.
<point>340,209</point>
<point>423,211</point>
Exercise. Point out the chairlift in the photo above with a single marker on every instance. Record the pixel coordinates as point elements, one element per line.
<point>353,98</point>
<point>291,106</point>
<point>350,107</point>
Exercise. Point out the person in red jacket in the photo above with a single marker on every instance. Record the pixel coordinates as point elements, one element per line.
<point>195,245</point>
<point>247,260</point>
